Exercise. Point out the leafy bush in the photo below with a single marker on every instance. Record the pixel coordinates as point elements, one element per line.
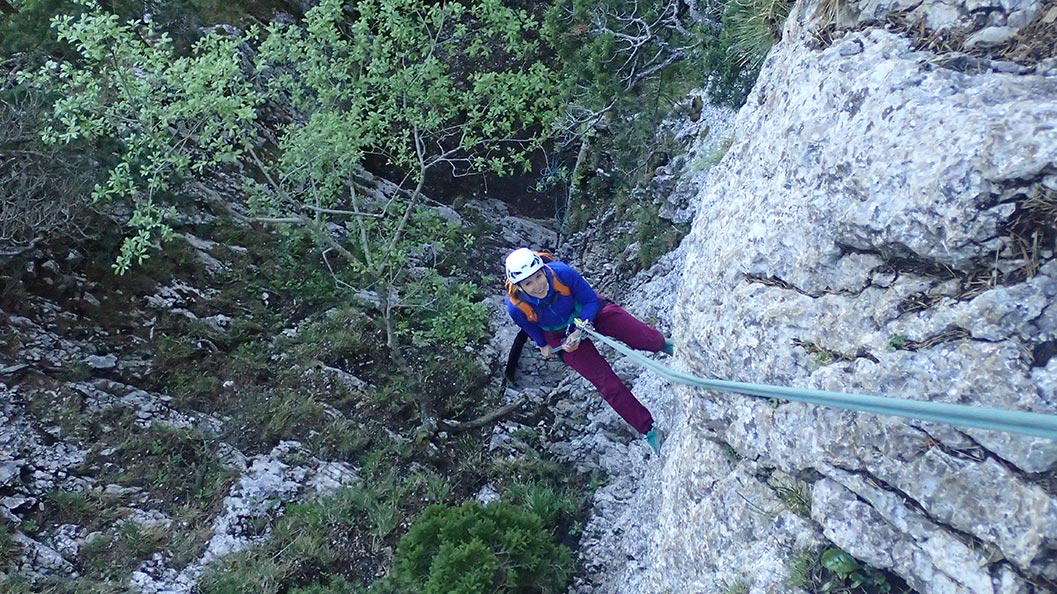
<point>475,549</point>
<point>457,317</point>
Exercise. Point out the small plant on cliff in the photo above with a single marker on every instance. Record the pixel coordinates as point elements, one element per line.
<point>834,570</point>
<point>749,29</point>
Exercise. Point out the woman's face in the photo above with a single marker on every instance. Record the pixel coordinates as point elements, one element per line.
<point>536,285</point>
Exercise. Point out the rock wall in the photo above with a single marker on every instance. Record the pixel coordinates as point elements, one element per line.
<point>874,228</point>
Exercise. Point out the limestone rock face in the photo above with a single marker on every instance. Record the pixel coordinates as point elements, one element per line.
<point>861,235</point>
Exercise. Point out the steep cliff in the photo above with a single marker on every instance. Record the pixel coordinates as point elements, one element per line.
<point>883,223</point>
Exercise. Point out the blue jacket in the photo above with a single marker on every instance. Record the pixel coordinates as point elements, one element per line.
<point>556,312</point>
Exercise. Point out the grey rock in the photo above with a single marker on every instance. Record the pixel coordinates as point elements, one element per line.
<point>9,471</point>
<point>41,560</point>
<point>990,36</point>
<point>519,232</point>
<point>829,181</point>
<point>488,494</point>
<point>101,361</point>
<point>66,539</point>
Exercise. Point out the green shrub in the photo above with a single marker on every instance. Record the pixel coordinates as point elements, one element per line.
<point>475,549</point>
<point>750,28</point>
<point>552,505</point>
<point>456,317</point>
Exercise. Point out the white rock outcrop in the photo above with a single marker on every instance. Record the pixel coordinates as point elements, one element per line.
<point>860,235</point>
<point>845,243</point>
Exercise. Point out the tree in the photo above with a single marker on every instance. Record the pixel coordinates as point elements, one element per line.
<point>379,80</point>
<point>165,117</point>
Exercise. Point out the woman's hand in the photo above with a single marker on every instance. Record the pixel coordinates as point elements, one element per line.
<point>545,350</point>
<point>572,342</point>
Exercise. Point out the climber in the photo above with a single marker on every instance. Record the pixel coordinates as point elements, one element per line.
<point>544,298</point>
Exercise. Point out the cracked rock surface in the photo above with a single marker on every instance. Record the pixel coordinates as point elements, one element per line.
<point>859,236</point>
<point>865,196</point>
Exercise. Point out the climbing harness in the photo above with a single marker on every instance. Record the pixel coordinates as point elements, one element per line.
<point>1022,422</point>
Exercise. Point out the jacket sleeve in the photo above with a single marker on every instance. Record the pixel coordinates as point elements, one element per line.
<point>582,292</point>
<point>533,330</point>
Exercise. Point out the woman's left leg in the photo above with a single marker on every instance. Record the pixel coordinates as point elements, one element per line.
<point>615,322</point>
<point>587,361</point>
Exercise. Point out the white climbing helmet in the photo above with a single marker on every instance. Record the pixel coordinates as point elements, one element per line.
<point>521,263</point>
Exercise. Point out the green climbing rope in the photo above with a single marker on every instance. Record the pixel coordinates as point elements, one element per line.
<point>1025,423</point>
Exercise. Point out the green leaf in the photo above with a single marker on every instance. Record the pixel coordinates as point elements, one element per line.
<point>839,562</point>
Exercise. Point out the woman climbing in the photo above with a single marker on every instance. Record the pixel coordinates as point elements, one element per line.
<point>544,298</point>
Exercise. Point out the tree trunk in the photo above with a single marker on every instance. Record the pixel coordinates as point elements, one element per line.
<point>426,411</point>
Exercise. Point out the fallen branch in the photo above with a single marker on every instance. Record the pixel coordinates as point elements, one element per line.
<point>486,419</point>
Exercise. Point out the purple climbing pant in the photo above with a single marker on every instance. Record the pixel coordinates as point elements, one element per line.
<point>616,323</point>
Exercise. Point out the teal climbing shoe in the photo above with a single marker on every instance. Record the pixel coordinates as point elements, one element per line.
<point>655,438</point>
<point>669,347</point>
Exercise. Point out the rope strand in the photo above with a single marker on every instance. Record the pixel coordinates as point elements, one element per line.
<point>996,419</point>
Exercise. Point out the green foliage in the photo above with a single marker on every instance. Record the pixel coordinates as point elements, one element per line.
<point>170,116</point>
<point>618,91</point>
<point>114,554</point>
<point>80,507</point>
<point>29,30</point>
<point>307,543</point>
<point>336,585</point>
<point>456,380</point>
<point>554,506</point>
<point>736,586</point>
<point>374,77</point>
<point>850,574</point>
<point>474,549</point>
<point>455,317</point>
<point>834,570</point>
<point>749,29</point>
<point>45,187</point>
<point>656,236</point>
<point>599,63</point>
<point>179,466</point>
<point>795,495</point>
<point>897,342</point>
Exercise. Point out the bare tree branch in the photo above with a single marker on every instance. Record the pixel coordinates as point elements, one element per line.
<point>486,419</point>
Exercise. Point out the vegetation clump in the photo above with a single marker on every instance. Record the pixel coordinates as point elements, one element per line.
<point>476,549</point>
